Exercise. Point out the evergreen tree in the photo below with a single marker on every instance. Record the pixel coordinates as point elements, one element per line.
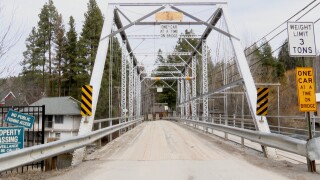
<point>60,44</point>
<point>272,70</point>
<point>70,66</point>
<point>31,72</point>
<point>31,61</point>
<point>89,41</point>
<point>169,96</point>
<point>288,62</point>
<point>47,19</point>
<point>113,59</point>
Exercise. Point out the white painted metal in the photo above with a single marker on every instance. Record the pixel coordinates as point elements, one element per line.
<point>278,141</point>
<point>171,64</point>
<point>178,100</point>
<point>187,93</point>
<point>168,78</point>
<point>158,36</point>
<point>205,79</point>
<point>194,87</point>
<point>165,54</point>
<point>244,71</point>
<point>131,86</point>
<point>165,72</point>
<point>123,105</point>
<point>135,93</point>
<point>96,78</point>
<point>182,94</point>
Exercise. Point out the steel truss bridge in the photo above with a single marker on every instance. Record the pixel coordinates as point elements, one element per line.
<point>194,90</point>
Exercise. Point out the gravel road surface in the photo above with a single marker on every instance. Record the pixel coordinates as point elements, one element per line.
<point>171,151</point>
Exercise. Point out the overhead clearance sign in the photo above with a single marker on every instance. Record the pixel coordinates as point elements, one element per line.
<point>306,89</point>
<point>301,39</point>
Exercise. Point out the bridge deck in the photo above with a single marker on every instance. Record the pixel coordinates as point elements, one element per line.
<point>166,150</point>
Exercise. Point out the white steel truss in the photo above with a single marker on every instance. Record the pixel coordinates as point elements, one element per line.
<point>169,78</point>
<point>194,87</point>
<point>182,94</point>
<point>205,80</point>
<point>171,64</point>
<point>166,72</point>
<point>123,105</point>
<point>187,93</point>
<point>165,54</point>
<point>221,12</point>
<point>131,88</point>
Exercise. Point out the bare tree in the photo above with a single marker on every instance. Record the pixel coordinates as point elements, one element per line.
<point>9,37</point>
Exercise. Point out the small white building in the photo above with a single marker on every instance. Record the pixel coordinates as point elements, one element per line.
<point>62,116</point>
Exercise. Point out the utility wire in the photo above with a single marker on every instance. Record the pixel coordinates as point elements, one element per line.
<point>282,23</point>
<point>277,33</point>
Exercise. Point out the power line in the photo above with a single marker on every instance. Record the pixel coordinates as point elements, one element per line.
<point>282,24</point>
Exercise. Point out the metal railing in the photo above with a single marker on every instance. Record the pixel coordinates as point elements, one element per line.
<point>277,141</point>
<point>38,153</point>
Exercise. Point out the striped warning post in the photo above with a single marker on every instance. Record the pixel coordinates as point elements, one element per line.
<point>86,100</point>
<point>262,101</point>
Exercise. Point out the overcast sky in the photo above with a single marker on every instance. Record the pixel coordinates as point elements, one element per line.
<point>252,18</point>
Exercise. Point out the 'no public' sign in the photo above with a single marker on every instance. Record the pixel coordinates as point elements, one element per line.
<point>306,91</point>
<point>301,39</point>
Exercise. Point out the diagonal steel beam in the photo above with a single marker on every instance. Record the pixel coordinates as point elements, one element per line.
<point>132,23</point>
<point>215,18</point>
<point>205,23</point>
<point>123,15</point>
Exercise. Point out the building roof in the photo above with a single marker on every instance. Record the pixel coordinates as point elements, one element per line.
<point>59,105</point>
<point>5,94</point>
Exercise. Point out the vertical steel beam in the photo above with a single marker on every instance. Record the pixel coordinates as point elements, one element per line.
<point>123,81</point>
<point>138,96</point>
<point>131,86</point>
<point>194,87</point>
<point>187,96</point>
<point>178,100</point>
<point>182,93</point>
<point>96,78</point>
<point>205,79</point>
<point>135,93</point>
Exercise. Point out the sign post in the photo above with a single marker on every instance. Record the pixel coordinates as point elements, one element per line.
<point>11,139</point>
<point>307,100</point>
<point>302,44</point>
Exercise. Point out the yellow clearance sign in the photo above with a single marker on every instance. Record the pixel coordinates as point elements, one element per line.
<point>306,89</point>
<point>169,16</point>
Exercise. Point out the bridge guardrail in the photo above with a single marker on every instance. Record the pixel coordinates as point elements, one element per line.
<point>37,153</point>
<point>310,149</point>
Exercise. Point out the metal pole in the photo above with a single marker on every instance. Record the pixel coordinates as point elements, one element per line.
<point>311,164</point>
<point>278,111</point>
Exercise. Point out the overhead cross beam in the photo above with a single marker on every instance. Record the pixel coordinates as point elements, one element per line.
<point>147,3</point>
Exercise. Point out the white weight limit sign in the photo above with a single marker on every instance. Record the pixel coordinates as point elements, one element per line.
<point>301,39</point>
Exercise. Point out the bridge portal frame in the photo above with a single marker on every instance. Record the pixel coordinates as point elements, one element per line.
<point>113,16</point>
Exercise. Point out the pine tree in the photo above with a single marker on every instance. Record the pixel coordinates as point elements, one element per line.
<point>31,72</point>
<point>47,19</point>
<point>284,57</point>
<point>60,44</point>
<point>169,96</point>
<point>70,66</point>
<point>89,40</point>
<point>31,61</point>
